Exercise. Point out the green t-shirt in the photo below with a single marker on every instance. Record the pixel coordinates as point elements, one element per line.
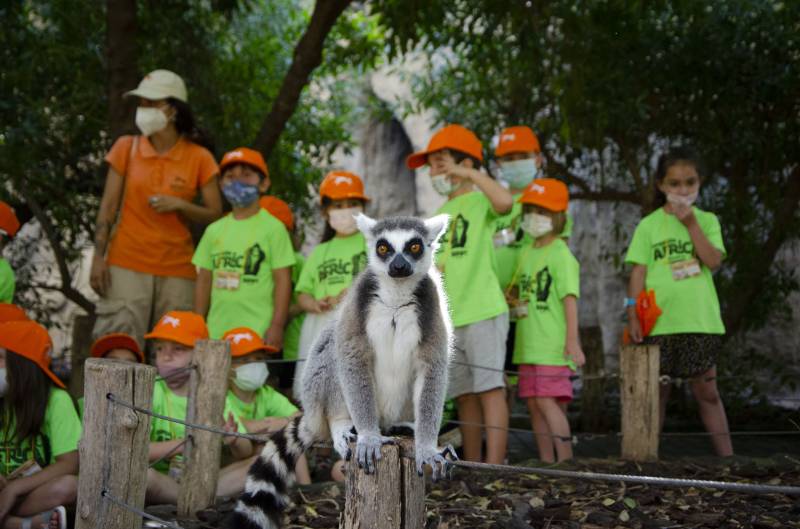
<point>165,402</point>
<point>7,282</point>
<point>332,266</point>
<point>61,431</point>
<point>268,402</point>
<point>688,305</point>
<point>546,276</point>
<point>506,255</point>
<point>467,255</point>
<point>291,338</point>
<point>241,255</point>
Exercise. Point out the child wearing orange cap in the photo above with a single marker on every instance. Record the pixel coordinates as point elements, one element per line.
<point>260,408</point>
<point>39,477</point>
<point>547,345</point>
<point>173,339</point>
<point>9,225</point>
<point>333,264</point>
<point>244,258</point>
<point>480,315</point>
<point>116,346</point>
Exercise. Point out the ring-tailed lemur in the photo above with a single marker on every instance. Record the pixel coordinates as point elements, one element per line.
<point>382,360</point>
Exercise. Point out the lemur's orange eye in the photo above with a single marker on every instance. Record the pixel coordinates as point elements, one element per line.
<point>383,249</point>
<point>415,248</point>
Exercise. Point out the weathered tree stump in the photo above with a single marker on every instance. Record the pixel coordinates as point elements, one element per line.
<point>391,498</point>
<point>639,390</point>
<point>113,450</point>
<point>208,385</point>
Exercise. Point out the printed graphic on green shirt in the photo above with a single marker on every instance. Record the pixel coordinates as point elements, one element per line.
<point>336,270</point>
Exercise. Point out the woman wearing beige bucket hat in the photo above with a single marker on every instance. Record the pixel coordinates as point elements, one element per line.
<point>143,247</point>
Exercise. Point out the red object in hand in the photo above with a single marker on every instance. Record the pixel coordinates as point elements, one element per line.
<point>647,311</point>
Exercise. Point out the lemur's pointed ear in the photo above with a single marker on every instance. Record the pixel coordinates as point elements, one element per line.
<point>436,227</point>
<point>365,224</point>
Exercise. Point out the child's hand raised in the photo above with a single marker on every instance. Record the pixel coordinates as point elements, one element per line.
<point>230,426</point>
<point>574,352</point>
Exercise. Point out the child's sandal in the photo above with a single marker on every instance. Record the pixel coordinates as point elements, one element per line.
<point>48,515</point>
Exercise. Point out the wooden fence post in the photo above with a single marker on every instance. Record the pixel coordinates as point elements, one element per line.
<point>208,385</point>
<point>639,389</point>
<point>114,446</point>
<point>391,498</point>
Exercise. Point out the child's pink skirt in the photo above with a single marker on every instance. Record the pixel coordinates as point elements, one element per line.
<point>545,381</point>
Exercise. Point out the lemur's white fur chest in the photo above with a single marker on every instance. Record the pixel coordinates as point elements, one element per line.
<point>393,330</point>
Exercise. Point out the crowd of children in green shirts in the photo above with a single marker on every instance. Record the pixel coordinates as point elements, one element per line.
<point>511,281</point>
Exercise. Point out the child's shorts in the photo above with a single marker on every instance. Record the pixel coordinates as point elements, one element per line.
<point>482,345</point>
<point>545,381</point>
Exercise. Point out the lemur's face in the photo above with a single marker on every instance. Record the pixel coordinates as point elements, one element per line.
<point>401,247</point>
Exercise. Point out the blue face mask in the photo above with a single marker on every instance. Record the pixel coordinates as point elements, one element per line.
<point>240,195</point>
<point>519,173</point>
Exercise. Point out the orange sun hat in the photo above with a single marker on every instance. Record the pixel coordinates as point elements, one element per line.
<point>9,222</point>
<point>548,193</point>
<point>30,340</point>
<point>455,137</point>
<point>180,326</point>
<point>11,312</point>
<point>338,185</point>
<point>517,139</point>
<point>244,341</point>
<point>246,156</point>
<point>278,209</point>
<point>117,340</point>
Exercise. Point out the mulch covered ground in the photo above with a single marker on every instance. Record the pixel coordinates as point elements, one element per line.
<point>492,500</point>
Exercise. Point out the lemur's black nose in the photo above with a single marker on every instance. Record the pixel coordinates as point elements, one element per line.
<point>399,267</point>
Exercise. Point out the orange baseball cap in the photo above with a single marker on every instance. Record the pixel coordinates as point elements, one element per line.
<point>180,326</point>
<point>517,139</point>
<point>455,137</point>
<point>548,193</point>
<point>244,341</point>
<point>9,222</point>
<point>30,340</point>
<point>278,209</point>
<point>246,156</point>
<point>10,312</point>
<point>117,340</point>
<point>338,185</point>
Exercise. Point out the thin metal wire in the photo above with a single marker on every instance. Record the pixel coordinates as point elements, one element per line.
<point>628,478</point>
<point>107,495</point>
<point>219,431</point>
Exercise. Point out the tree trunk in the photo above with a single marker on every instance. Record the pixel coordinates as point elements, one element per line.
<point>307,56</point>
<point>122,64</point>
<point>750,279</point>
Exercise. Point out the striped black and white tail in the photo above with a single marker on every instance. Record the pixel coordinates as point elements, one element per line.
<point>265,493</point>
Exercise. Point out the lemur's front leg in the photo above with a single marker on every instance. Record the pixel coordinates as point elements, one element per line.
<point>429,393</point>
<point>356,376</point>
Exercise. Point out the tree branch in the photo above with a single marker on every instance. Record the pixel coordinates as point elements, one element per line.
<point>749,280</point>
<point>307,56</point>
<point>61,260</point>
<point>121,55</point>
<point>585,190</point>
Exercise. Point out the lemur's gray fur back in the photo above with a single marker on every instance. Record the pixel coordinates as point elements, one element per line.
<point>339,377</point>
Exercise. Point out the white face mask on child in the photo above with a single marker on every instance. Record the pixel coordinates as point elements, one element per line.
<point>343,220</point>
<point>681,200</point>
<point>537,225</point>
<point>250,377</point>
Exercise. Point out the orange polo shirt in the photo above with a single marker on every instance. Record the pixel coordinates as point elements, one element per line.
<point>145,240</point>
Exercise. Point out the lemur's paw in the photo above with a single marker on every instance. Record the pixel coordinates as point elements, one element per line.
<point>368,450</point>
<point>436,459</point>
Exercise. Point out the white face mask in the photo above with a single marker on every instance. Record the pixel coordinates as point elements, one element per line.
<point>442,184</point>
<point>3,382</point>
<point>150,120</point>
<point>537,225</point>
<point>681,200</point>
<point>250,377</point>
<point>343,220</point>
<point>519,173</point>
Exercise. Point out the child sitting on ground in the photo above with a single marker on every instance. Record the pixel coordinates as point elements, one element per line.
<point>40,433</point>
<point>259,407</point>
<point>117,346</point>
<point>174,338</point>
<point>547,345</point>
